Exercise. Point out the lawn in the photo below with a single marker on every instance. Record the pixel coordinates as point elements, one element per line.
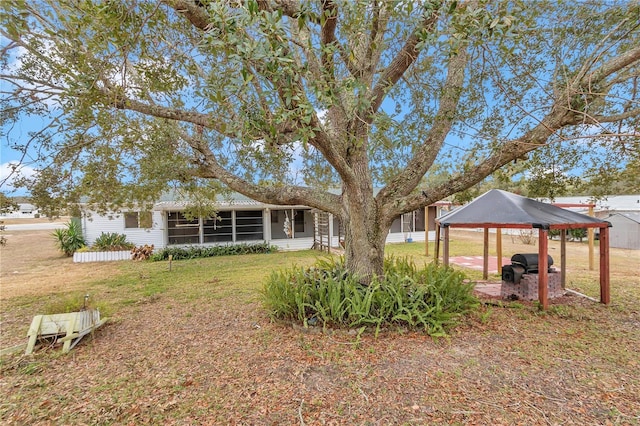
<point>193,346</point>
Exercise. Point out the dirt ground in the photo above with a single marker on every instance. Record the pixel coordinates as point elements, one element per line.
<point>31,265</point>
<point>167,361</point>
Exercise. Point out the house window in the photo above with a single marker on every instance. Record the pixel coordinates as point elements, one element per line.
<point>219,229</point>
<point>249,225</point>
<point>138,220</point>
<point>298,221</point>
<point>181,230</point>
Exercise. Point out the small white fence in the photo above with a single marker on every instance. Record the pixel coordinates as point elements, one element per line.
<point>101,256</point>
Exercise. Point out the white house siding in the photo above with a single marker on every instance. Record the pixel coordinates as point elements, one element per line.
<point>93,225</point>
<point>293,243</point>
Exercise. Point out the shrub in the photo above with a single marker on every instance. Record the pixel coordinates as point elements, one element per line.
<point>194,252</point>
<point>112,241</point>
<point>431,299</point>
<point>69,239</point>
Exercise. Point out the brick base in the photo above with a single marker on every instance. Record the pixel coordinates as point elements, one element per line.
<point>527,289</point>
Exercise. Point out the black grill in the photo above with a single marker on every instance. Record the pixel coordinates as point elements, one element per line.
<point>526,263</point>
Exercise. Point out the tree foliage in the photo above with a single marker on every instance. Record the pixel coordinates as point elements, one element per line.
<point>7,205</point>
<point>137,96</point>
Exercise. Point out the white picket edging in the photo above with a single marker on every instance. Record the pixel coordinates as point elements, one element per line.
<point>101,256</point>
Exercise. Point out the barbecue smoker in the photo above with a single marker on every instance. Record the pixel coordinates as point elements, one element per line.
<point>520,280</point>
<point>523,264</point>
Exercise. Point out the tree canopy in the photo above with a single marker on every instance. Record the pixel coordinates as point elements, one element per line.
<point>314,102</point>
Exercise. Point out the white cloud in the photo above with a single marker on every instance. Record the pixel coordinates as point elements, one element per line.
<point>11,170</point>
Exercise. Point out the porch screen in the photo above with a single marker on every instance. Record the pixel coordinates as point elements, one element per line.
<point>181,230</point>
<point>219,229</point>
<point>249,225</point>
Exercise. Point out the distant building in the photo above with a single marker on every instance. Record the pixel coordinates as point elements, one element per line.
<point>625,230</point>
<point>25,210</point>
<point>622,211</point>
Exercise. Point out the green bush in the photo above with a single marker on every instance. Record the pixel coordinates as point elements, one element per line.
<point>112,241</point>
<point>431,299</point>
<point>69,239</point>
<point>194,252</point>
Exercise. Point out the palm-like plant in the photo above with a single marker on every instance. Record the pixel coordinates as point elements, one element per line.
<point>70,239</point>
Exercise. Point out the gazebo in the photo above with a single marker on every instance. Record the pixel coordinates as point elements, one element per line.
<point>500,209</point>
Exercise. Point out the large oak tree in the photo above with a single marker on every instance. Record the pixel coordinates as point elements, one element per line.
<point>137,95</point>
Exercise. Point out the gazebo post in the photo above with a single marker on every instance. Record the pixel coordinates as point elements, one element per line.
<point>499,249</point>
<point>563,258</point>
<point>445,248</point>
<point>485,261</point>
<point>591,244</point>
<point>605,296</point>
<point>436,248</point>
<point>543,276</point>
<point>426,231</point>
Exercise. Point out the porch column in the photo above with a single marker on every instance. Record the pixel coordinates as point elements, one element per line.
<point>266,225</point>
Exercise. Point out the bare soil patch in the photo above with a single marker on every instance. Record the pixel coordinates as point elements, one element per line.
<point>31,265</point>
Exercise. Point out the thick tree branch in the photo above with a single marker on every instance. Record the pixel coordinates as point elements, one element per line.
<point>510,151</point>
<point>195,14</point>
<point>209,167</point>
<point>402,61</point>
<point>404,182</point>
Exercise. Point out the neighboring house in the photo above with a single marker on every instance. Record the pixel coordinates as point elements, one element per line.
<point>25,210</point>
<point>625,230</point>
<point>622,211</point>
<point>242,220</point>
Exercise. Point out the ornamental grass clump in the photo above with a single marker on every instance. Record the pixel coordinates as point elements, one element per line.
<point>431,299</point>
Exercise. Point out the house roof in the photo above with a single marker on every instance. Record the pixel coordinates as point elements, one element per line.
<point>633,216</point>
<point>607,203</point>
<point>501,209</point>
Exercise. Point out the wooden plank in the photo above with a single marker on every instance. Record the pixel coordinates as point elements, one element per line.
<point>543,279</point>
<point>445,247</point>
<point>72,325</point>
<point>13,349</point>
<point>485,260</point>
<point>499,249</point>
<point>563,258</point>
<point>591,242</point>
<point>605,294</point>
<point>33,333</point>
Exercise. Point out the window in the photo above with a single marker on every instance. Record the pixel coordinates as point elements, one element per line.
<point>249,225</point>
<point>138,220</point>
<point>298,221</point>
<point>181,230</point>
<point>219,229</point>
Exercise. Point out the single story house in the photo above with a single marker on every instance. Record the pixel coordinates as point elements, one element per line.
<point>625,230</point>
<point>25,210</point>
<point>622,211</point>
<point>243,220</point>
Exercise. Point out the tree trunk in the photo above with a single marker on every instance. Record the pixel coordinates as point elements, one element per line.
<point>365,236</point>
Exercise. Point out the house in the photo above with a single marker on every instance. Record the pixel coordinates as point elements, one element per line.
<point>625,230</point>
<point>622,211</point>
<point>243,220</point>
<point>25,210</point>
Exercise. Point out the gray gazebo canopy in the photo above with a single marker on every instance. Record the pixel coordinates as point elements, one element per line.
<point>500,209</point>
